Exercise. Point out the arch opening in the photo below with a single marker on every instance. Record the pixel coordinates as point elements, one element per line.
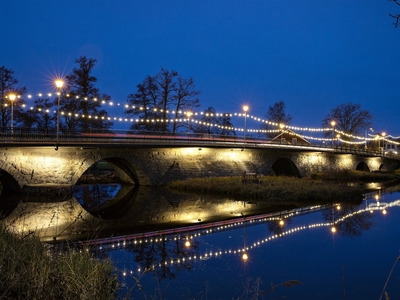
<point>362,166</point>
<point>285,167</point>
<point>109,170</point>
<point>10,194</point>
<point>106,188</point>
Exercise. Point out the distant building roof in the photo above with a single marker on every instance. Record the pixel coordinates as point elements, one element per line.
<point>288,136</point>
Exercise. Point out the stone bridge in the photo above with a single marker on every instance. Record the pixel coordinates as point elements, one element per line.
<point>156,165</point>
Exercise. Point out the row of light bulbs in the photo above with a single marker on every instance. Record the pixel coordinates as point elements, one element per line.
<point>257,119</point>
<point>228,127</point>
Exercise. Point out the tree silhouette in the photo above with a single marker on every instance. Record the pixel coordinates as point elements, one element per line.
<point>8,85</point>
<point>81,100</point>
<point>159,98</point>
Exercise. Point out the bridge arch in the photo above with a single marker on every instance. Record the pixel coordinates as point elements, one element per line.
<point>8,182</point>
<point>128,168</point>
<point>362,166</point>
<point>284,166</point>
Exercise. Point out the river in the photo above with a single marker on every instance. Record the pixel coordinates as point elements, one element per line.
<point>169,245</point>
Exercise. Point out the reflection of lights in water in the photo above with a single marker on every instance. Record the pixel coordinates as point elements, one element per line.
<point>243,251</point>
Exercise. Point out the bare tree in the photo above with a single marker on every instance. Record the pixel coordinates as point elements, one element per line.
<point>83,99</point>
<point>8,85</point>
<point>185,97</point>
<point>211,123</point>
<point>160,95</point>
<point>396,17</point>
<point>40,117</point>
<point>276,113</point>
<point>349,117</point>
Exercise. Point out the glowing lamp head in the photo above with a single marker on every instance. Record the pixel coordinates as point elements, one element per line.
<point>333,123</point>
<point>189,114</point>
<point>12,97</point>
<point>383,133</point>
<point>59,83</point>
<point>187,243</point>
<point>281,126</point>
<point>245,257</point>
<point>333,229</point>
<point>245,108</point>
<point>281,222</point>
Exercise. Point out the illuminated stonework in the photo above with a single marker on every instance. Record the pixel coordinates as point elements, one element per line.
<point>152,166</point>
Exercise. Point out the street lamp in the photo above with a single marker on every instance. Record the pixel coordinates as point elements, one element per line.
<point>59,84</point>
<point>365,136</point>
<point>12,98</point>
<point>189,114</point>
<point>245,109</point>
<point>333,123</point>
<point>383,141</point>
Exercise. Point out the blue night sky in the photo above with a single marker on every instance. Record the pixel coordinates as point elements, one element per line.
<point>311,54</point>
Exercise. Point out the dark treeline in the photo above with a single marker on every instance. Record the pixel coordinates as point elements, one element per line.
<point>156,105</point>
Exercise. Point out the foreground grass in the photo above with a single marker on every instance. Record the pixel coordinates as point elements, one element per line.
<point>29,271</point>
<point>285,189</point>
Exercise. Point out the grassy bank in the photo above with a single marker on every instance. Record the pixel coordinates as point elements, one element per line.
<point>29,271</point>
<point>286,189</point>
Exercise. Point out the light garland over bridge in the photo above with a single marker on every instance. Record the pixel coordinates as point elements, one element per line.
<point>192,117</point>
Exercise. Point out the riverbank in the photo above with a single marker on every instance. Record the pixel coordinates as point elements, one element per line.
<point>319,187</point>
<point>30,270</point>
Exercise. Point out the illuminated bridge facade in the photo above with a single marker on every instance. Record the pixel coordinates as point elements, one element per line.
<point>157,160</point>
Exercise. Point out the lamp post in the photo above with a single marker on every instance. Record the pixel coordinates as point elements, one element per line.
<point>245,109</point>
<point>383,134</point>
<point>333,123</point>
<point>189,114</point>
<point>12,98</point>
<point>365,136</point>
<point>59,84</point>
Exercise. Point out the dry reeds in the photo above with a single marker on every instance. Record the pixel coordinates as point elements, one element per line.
<point>29,271</point>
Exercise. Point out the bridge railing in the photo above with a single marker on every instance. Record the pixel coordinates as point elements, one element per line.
<point>40,136</point>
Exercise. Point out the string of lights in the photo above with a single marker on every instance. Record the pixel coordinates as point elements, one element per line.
<point>189,114</point>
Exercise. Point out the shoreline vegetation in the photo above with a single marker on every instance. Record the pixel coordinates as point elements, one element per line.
<point>30,269</point>
<point>323,187</point>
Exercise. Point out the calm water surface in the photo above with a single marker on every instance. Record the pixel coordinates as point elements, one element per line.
<point>174,246</point>
<point>353,263</point>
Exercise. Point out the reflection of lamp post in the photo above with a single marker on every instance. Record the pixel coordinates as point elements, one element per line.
<point>12,98</point>
<point>333,123</point>
<point>333,228</point>
<point>189,114</point>
<point>245,256</point>
<point>245,109</point>
<point>59,85</point>
<point>187,243</point>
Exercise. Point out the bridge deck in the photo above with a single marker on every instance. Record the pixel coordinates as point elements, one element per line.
<point>101,140</point>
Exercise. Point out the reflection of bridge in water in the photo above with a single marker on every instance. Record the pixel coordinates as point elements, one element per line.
<point>190,233</point>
